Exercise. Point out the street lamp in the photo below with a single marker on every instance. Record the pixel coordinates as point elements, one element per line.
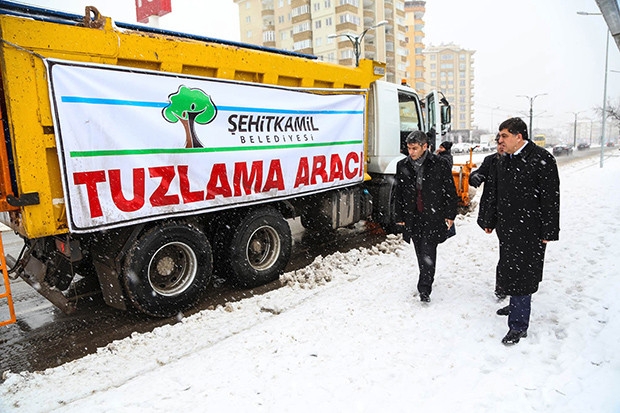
<point>531,99</point>
<point>583,13</point>
<point>357,40</point>
<point>492,110</point>
<point>575,129</point>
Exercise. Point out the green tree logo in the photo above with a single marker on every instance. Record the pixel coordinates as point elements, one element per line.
<point>190,106</point>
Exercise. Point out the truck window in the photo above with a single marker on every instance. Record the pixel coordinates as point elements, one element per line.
<point>409,109</point>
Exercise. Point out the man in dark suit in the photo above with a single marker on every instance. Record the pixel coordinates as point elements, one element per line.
<point>477,178</point>
<point>524,207</point>
<point>425,205</point>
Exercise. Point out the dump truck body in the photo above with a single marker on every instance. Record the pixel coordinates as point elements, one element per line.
<point>149,160</point>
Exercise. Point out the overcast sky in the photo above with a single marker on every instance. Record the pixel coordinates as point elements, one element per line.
<point>525,47</point>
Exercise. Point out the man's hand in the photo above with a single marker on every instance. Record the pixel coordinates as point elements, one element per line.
<point>475,180</point>
<point>488,230</point>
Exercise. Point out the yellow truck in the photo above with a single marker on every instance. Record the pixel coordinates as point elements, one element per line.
<point>145,160</point>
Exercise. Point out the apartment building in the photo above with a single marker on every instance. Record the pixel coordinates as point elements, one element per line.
<point>414,12</point>
<point>318,27</point>
<point>450,69</point>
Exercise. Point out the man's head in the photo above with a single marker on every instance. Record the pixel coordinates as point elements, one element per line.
<point>445,146</point>
<point>501,149</point>
<point>417,144</point>
<point>512,134</point>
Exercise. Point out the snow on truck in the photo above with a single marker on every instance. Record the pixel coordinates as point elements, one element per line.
<point>146,159</point>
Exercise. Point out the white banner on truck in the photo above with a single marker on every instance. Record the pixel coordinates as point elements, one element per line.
<point>139,145</point>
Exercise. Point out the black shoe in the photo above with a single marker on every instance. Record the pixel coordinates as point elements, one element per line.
<point>425,298</point>
<point>503,310</point>
<point>513,337</point>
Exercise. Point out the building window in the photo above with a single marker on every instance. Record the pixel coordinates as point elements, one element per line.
<point>317,24</point>
<point>351,2</point>
<point>269,36</point>
<point>248,34</point>
<point>346,54</point>
<point>433,66</point>
<point>328,21</point>
<point>349,18</point>
<point>303,27</point>
<point>317,6</point>
<point>297,11</point>
<point>305,44</point>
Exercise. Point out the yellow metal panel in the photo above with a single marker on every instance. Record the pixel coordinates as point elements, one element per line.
<point>27,42</point>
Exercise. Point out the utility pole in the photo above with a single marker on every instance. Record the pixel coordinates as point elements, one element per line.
<point>531,99</point>
<point>575,129</point>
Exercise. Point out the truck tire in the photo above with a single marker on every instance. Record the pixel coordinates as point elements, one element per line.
<point>167,269</point>
<point>257,249</point>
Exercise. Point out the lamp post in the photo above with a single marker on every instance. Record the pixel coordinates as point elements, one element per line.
<point>583,13</point>
<point>575,129</point>
<point>356,40</point>
<point>492,110</point>
<point>531,99</point>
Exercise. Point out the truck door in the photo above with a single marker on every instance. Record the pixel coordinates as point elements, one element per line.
<point>409,115</point>
<point>438,117</point>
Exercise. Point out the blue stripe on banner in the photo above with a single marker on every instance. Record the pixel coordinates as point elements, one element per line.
<point>119,102</point>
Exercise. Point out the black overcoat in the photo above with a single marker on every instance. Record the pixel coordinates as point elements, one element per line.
<point>524,207</point>
<point>489,163</point>
<point>438,195</point>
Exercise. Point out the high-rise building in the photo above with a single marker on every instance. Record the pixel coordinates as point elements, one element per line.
<point>414,11</point>
<point>317,27</point>
<point>450,69</point>
<point>309,26</point>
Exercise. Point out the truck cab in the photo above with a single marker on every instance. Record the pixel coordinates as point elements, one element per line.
<point>396,111</point>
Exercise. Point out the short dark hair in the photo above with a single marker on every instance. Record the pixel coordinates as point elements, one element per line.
<point>417,136</point>
<point>515,126</point>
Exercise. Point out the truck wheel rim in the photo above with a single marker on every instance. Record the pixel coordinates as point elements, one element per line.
<point>172,269</point>
<point>263,248</point>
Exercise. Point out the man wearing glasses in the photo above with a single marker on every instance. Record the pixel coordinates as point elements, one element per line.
<point>524,207</point>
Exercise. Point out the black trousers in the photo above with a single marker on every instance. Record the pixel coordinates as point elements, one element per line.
<point>426,252</point>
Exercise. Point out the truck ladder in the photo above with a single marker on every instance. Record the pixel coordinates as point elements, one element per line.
<point>6,295</point>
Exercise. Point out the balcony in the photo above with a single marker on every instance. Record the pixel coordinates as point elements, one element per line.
<point>343,8</point>
<point>346,27</point>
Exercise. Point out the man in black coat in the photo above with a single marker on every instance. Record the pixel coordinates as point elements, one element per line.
<point>524,206</point>
<point>477,178</point>
<point>425,205</point>
<point>445,152</point>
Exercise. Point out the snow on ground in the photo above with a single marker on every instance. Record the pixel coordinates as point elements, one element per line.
<point>349,334</point>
